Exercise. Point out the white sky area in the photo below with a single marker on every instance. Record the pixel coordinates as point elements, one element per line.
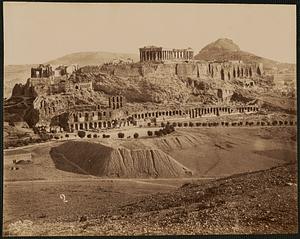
<point>39,32</point>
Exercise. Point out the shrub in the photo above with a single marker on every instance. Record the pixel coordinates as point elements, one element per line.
<point>157,133</point>
<point>136,135</point>
<point>67,136</point>
<point>81,134</point>
<point>169,129</point>
<point>174,124</point>
<point>150,133</point>
<point>89,136</point>
<point>56,137</point>
<point>95,135</point>
<point>149,124</point>
<point>274,122</point>
<point>106,136</point>
<point>121,135</point>
<point>162,124</point>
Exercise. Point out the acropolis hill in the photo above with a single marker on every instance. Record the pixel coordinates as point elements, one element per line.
<point>166,83</point>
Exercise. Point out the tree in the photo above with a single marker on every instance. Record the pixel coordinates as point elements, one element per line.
<point>95,135</point>
<point>150,133</point>
<point>81,134</point>
<point>89,136</point>
<point>191,124</point>
<point>121,135</point>
<point>136,135</point>
<point>67,136</point>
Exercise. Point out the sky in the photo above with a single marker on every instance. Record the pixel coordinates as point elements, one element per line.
<point>38,32</point>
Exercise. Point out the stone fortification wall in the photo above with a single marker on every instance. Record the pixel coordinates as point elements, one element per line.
<point>186,70</point>
<point>122,70</point>
<point>217,70</point>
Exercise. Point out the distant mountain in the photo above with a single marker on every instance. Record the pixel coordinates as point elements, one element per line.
<point>14,74</point>
<point>226,49</point>
<point>91,58</point>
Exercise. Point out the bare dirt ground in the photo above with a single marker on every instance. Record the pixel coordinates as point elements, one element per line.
<point>141,206</point>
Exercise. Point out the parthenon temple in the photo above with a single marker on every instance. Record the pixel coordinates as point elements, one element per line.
<point>153,53</point>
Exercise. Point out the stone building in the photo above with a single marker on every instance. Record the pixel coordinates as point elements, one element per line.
<point>42,71</point>
<point>159,54</point>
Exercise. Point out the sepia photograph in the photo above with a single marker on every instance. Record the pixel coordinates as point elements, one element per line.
<point>149,119</point>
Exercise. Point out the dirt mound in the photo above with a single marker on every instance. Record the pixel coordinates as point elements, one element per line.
<point>177,142</point>
<point>99,160</point>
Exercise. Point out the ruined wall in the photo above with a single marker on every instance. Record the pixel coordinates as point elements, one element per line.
<point>127,70</point>
<point>122,70</point>
<point>165,69</point>
<point>186,70</point>
<point>202,70</point>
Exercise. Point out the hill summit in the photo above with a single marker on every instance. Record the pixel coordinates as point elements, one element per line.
<point>222,44</point>
<point>225,49</point>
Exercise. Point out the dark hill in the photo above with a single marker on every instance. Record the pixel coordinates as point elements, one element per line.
<point>258,202</point>
<point>225,49</point>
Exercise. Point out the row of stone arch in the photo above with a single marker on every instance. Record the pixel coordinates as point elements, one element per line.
<point>98,125</point>
<point>88,116</point>
<point>192,113</point>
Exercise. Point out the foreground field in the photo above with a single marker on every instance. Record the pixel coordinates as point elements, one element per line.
<point>259,202</point>
<point>154,205</point>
